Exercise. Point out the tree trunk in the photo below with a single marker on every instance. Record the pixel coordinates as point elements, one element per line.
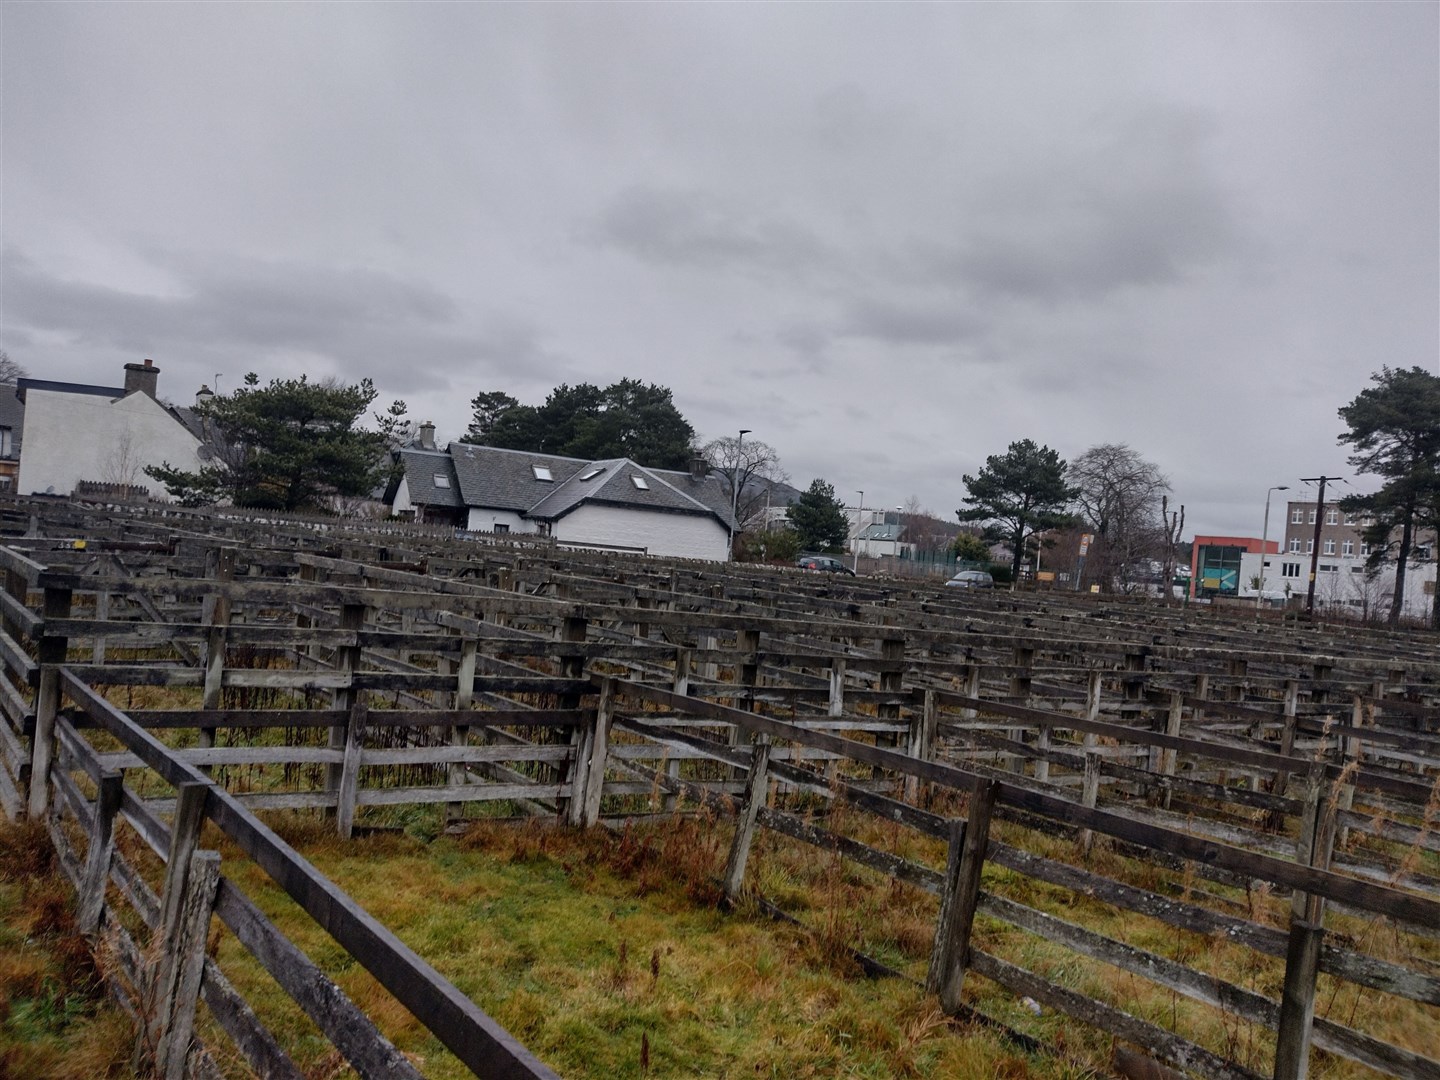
<point>1401,559</point>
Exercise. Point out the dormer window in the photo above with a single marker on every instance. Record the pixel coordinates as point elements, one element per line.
<point>441,480</point>
<point>542,472</point>
<point>592,473</point>
<point>640,482</point>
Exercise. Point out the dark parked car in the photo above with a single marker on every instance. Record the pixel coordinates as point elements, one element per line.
<point>972,579</point>
<point>823,562</point>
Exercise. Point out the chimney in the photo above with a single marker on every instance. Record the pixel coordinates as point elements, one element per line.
<point>141,377</point>
<point>427,436</point>
<point>699,468</point>
<point>204,395</point>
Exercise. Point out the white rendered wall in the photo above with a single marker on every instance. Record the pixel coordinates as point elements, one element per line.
<point>74,437</point>
<point>483,519</point>
<point>681,536</point>
<point>401,503</point>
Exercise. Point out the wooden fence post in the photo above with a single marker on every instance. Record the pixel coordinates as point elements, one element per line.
<point>51,655</point>
<point>573,628</point>
<point>97,856</point>
<point>1023,658</point>
<point>837,687</point>
<point>185,965</point>
<point>349,787</point>
<point>1092,696</point>
<point>755,788</point>
<point>1307,933</point>
<point>922,741</point>
<point>969,841</point>
<point>219,622</point>
<point>1090,789</point>
<point>186,902</point>
<point>590,772</point>
<point>1169,755</point>
<point>972,689</point>
<point>352,617</point>
<point>460,733</point>
<point>102,614</point>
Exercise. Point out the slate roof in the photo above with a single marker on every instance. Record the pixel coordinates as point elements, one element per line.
<point>68,388</point>
<point>877,531</point>
<point>421,468</point>
<point>612,482</point>
<point>497,479</point>
<point>503,479</point>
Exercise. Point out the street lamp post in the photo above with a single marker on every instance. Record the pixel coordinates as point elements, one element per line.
<point>735,487</point>
<point>1264,541</point>
<point>859,528</point>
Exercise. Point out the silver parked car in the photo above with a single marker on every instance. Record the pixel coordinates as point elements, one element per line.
<point>972,579</point>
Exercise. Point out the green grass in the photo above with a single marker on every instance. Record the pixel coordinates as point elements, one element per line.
<point>606,957</point>
<point>55,1021</point>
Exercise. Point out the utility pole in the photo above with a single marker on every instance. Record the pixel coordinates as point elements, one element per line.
<point>1315,542</point>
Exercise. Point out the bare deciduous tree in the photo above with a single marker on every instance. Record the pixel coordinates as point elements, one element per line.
<point>123,465</point>
<point>10,370</point>
<point>1117,494</point>
<point>752,465</point>
<point>1173,525</point>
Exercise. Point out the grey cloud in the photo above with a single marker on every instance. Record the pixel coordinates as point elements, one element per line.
<point>913,322</point>
<point>366,323</point>
<point>696,229</point>
<point>1139,208</point>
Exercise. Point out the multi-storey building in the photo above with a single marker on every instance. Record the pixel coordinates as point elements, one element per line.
<point>1342,578</point>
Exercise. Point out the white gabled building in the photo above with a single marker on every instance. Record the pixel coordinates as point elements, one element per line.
<point>78,433</point>
<point>609,504</point>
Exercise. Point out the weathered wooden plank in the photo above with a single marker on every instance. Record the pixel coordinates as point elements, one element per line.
<point>235,1017</point>
<point>371,1055</point>
<point>99,853</point>
<point>1169,1047</point>
<point>968,846</point>
<point>756,786</point>
<point>475,1038</point>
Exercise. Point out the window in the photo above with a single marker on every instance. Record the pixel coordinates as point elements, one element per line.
<point>640,482</point>
<point>542,472</point>
<point>544,528</point>
<point>441,480</point>
<point>501,527</point>
<point>7,446</point>
<point>1290,569</point>
<point>1348,548</point>
<point>1364,547</point>
<point>1329,547</point>
<point>1349,519</point>
<point>1297,516</point>
<point>1421,552</point>
<point>590,474</point>
<point>1357,569</point>
<point>1332,516</point>
<point>1312,517</point>
<point>1327,568</point>
<point>1309,547</point>
<point>1294,545</point>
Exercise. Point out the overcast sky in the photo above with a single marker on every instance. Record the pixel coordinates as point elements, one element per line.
<point>889,239</point>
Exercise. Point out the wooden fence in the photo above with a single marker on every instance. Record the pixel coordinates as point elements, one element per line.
<point>1266,755</point>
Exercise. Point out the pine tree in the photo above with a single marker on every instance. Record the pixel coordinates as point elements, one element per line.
<point>819,518</point>
<point>1019,494</point>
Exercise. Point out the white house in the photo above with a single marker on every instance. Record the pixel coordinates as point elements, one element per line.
<point>608,504</point>
<point>102,434</point>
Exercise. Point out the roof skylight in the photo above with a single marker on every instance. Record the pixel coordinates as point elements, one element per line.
<point>441,480</point>
<point>542,472</point>
<point>592,473</point>
<point>640,482</point>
